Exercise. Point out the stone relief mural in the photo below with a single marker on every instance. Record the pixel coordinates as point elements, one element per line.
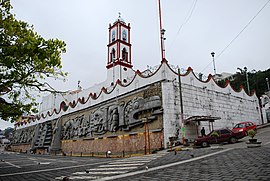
<point>74,128</point>
<point>111,118</point>
<point>98,121</point>
<point>136,107</point>
<point>23,135</point>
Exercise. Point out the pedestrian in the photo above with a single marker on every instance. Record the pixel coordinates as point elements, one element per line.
<point>203,132</point>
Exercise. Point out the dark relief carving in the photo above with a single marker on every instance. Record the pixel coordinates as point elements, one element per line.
<point>121,116</point>
<point>23,135</point>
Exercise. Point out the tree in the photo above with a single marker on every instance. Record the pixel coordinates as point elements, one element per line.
<point>27,61</point>
<point>8,132</point>
<point>257,81</point>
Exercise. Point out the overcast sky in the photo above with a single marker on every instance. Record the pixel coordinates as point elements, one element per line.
<point>194,28</point>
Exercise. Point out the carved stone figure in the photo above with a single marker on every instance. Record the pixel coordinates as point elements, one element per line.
<point>74,128</point>
<point>114,119</point>
<point>66,130</point>
<point>82,130</point>
<point>98,124</point>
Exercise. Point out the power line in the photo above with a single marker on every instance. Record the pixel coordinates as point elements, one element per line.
<point>185,22</point>
<point>243,29</point>
<point>226,47</point>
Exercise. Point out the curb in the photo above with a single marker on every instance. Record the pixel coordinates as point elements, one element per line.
<point>263,125</point>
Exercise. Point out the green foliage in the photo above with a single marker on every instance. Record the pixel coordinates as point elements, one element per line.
<point>7,132</point>
<point>251,133</point>
<point>215,134</point>
<point>257,81</point>
<point>26,61</point>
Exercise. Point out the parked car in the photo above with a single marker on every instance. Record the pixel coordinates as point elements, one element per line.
<point>244,127</point>
<point>219,136</point>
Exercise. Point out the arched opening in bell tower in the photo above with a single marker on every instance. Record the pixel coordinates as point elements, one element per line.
<point>124,55</point>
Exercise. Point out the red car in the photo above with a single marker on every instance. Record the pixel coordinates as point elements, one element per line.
<point>244,127</point>
<point>219,136</point>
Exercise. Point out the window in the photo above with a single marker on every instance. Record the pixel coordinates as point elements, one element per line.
<point>239,126</point>
<point>113,35</point>
<point>112,55</point>
<point>224,131</point>
<point>124,34</point>
<point>124,55</point>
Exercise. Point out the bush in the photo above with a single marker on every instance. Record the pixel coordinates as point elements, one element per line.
<point>215,134</point>
<point>251,133</point>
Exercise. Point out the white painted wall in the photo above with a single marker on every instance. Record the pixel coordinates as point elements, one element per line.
<point>171,118</point>
<point>208,99</point>
<point>199,99</point>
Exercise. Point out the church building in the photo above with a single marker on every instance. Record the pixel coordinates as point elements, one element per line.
<point>133,111</point>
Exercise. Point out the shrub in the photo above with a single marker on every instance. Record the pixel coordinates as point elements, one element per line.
<point>215,134</point>
<point>251,133</point>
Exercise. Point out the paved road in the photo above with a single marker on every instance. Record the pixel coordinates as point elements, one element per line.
<point>236,164</point>
<point>227,162</point>
<point>263,135</point>
<point>39,167</point>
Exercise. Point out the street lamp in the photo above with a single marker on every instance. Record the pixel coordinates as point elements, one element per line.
<point>213,55</point>
<point>245,69</point>
<point>162,43</point>
<point>267,82</point>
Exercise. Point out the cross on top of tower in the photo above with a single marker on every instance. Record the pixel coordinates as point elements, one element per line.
<point>120,19</point>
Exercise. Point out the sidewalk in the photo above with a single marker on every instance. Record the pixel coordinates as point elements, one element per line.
<point>263,125</point>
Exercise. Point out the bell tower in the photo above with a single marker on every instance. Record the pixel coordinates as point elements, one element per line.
<point>119,50</point>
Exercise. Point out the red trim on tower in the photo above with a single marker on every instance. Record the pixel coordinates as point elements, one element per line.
<point>110,33</point>
<point>108,60</point>
<point>124,64</point>
<point>128,33</point>
<point>130,54</point>
<point>120,32</point>
<point>118,50</point>
<point>121,41</point>
<point>117,32</point>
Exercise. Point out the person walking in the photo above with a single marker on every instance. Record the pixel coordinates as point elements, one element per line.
<point>203,132</point>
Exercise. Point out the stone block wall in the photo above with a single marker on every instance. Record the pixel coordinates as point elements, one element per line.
<point>25,147</point>
<point>127,143</point>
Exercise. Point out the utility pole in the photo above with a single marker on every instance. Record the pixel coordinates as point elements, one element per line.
<point>267,82</point>
<point>245,69</point>
<point>162,32</point>
<point>181,107</point>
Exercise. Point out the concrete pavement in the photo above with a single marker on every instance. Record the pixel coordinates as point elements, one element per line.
<point>234,164</point>
<point>229,162</point>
